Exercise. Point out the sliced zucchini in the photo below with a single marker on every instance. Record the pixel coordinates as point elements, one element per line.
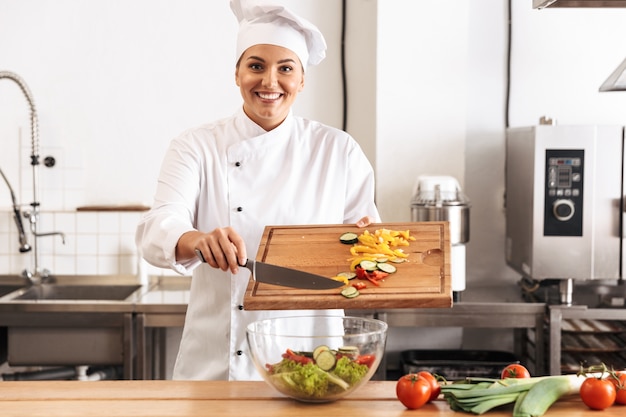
<point>385,267</point>
<point>350,292</point>
<point>349,238</point>
<point>318,350</point>
<point>398,260</point>
<point>349,275</point>
<point>326,360</point>
<point>350,351</point>
<point>369,265</point>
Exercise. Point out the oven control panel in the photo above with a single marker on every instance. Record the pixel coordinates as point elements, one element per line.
<point>563,202</point>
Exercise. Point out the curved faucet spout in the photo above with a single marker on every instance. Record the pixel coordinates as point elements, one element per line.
<point>17,215</point>
<point>51,234</point>
<point>34,123</point>
<point>34,162</point>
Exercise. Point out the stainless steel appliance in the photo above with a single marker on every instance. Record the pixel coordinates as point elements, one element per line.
<point>439,198</point>
<point>564,203</point>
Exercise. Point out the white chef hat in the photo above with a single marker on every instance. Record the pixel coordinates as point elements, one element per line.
<point>276,25</point>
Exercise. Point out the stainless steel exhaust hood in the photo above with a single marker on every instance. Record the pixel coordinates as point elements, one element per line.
<point>617,79</point>
<point>542,4</point>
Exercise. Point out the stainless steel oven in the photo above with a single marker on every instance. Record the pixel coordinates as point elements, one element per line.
<point>564,203</point>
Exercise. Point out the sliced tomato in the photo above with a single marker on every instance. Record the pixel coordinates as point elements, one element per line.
<point>359,285</point>
<point>361,273</point>
<point>378,275</point>
<point>301,359</point>
<point>373,281</point>
<point>365,360</point>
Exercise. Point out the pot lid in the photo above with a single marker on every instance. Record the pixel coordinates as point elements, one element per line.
<point>438,191</point>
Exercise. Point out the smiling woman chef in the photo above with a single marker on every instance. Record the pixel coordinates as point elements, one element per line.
<point>221,184</point>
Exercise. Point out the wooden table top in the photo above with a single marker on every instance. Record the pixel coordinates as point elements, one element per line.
<point>221,398</point>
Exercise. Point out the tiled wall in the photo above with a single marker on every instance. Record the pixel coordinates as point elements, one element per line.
<point>96,243</point>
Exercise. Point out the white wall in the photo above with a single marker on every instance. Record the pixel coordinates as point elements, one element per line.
<point>421,96</point>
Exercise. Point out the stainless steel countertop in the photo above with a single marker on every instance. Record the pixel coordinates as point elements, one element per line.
<point>168,295</point>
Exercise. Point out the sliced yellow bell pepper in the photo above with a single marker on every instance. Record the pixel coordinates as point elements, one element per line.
<point>340,278</point>
<point>378,245</point>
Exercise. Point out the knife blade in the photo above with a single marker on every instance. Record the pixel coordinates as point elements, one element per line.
<point>286,277</point>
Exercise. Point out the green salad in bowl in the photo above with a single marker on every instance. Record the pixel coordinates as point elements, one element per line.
<point>317,358</point>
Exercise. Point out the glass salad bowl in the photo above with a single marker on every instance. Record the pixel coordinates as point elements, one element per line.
<point>317,358</point>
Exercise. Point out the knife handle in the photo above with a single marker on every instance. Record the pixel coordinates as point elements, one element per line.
<point>200,255</point>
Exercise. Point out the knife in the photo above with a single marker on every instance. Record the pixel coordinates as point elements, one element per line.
<point>286,277</point>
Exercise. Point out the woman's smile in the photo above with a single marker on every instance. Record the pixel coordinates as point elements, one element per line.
<point>269,96</point>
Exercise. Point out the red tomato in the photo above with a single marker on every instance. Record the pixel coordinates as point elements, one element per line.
<point>360,273</point>
<point>515,370</point>
<point>413,391</point>
<point>435,388</point>
<point>378,275</point>
<point>373,281</point>
<point>290,354</point>
<point>359,285</point>
<point>597,394</point>
<point>366,360</point>
<point>620,387</point>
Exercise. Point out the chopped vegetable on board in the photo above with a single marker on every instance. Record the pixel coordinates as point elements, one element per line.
<point>372,254</point>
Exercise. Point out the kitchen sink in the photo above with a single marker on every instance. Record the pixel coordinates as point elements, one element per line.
<point>116,292</point>
<point>8,288</point>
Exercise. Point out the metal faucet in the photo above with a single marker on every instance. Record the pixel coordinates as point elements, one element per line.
<point>36,275</point>
<point>17,215</point>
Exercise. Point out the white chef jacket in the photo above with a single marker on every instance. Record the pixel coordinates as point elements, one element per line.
<point>234,173</point>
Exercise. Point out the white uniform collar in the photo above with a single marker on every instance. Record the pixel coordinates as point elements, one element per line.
<point>254,129</point>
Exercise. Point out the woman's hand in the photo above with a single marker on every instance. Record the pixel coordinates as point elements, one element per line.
<point>222,248</point>
<point>365,221</point>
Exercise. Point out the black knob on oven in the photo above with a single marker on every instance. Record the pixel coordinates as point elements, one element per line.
<point>563,209</point>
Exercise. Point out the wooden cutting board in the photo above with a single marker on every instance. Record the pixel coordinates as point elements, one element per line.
<point>421,282</point>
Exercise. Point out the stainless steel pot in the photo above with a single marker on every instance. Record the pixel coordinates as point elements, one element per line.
<point>439,198</point>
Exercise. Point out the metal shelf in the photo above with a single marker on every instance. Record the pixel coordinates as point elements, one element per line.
<point>561,361</point>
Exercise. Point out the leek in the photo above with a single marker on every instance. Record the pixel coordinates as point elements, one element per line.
<point>544,393</point>
<point>531,396</point>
